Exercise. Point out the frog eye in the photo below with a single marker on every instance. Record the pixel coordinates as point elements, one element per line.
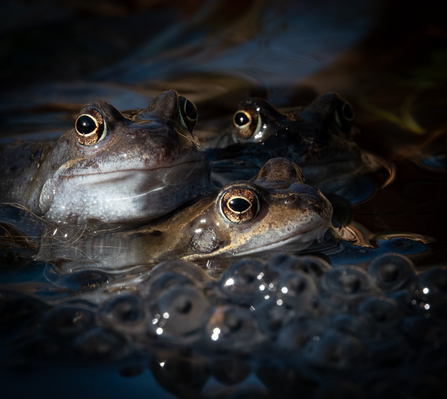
<point>246,124</point>
<point>344,114</point>
<point>240,205</point>
<point>90,127</point>
<point>188,113</point>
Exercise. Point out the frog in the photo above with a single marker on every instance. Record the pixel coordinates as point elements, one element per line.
<point>112,167</point>
<point>319,138</point>
<point>272,209</point>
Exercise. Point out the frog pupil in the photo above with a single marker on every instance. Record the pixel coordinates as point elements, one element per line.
<point>239,204</point>
<point>190,110</point>
<point>348,112</point>
<point>85,125</point>
<point>241,119</point>
<point>187,109</point>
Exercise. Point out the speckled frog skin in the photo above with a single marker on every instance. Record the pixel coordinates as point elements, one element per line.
<point>318,138</point>
<point>273,209</point>
<point>112,167</point>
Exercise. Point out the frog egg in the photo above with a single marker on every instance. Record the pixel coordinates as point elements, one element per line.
<point>390,351</point>
<point>349,283</point>
<point>430,292</point>
<point>297,334</point>
<point>391,271</point>
<point>179,312</point>
<point>431,330</point>
<point>41,348</point>
<point>84,280</point>
<point>68,321</point>
<point>233,328</point>
<point>134,369</point>
<point>428,387</point>
<point>248,393</point>
<point>181,376</point>
<point>230,369</point>
<point>243,283</point>
<point>272,317</point>
<point>383,384</point>
<point>340,389</point>
<point>18,310</point>
<point>285,381</point>
<point>431,361</point>
<point>334,350</point>
<point>352,325</point>
<point>125,313</point>
<point>297,291</point>
<point>381,313</point>
<point>188,269</point>
<point>100,344</point>
<point>170,273</point>
<point>313,265</point>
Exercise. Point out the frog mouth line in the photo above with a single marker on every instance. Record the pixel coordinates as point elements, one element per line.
<point>318,232</point>
<point>199,161</point>
<point>131,171</point>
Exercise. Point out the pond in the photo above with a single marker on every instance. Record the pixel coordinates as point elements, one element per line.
<point>123,303</point>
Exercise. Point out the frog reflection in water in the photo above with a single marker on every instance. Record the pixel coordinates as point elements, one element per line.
<point>318,138</point>
<point>272,209</point>
<point>112,167</point>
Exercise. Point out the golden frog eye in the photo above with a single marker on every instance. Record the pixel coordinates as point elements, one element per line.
<point>90,127</point>
<point>240,205</point>
<point>344,114</point>
<point>188,113</point>
<point>247,124</point>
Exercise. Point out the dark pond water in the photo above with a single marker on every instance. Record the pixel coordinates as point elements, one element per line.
<point>342,319</point>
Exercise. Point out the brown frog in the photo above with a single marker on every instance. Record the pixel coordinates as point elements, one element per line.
<point>273,209</point>
<point>318,138</point>
<point>112,167</point>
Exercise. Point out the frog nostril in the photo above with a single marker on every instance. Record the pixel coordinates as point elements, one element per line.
<point>291,199</point>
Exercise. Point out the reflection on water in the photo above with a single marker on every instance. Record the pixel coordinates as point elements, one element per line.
<point>269,44</point>
<point>344,317</point>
